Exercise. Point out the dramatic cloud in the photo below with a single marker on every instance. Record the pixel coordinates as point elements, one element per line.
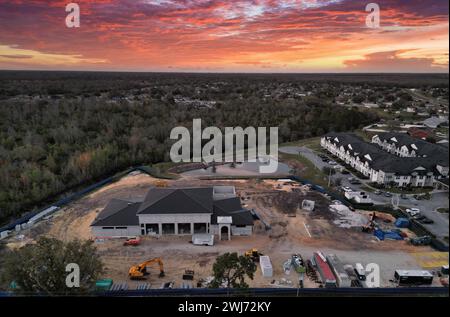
<point>220,35</point>
<point>392,61</point>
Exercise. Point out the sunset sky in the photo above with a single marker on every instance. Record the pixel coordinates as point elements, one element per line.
<point>225,36</point>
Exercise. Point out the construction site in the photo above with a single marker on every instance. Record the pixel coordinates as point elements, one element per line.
<point>295,229</point>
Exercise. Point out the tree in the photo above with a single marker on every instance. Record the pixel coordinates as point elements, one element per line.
<point>232,269</point>
<point>41,267</point>
<point>328,170</point>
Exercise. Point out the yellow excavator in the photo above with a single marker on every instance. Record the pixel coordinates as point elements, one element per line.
<point>139,272</point>
<point>254,254</point>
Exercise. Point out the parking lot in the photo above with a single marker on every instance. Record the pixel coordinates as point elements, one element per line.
<point>428,208</point>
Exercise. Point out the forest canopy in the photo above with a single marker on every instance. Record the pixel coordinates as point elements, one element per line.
<point>60,130</point>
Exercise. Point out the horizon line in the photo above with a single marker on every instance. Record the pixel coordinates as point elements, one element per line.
<point>225,72</point>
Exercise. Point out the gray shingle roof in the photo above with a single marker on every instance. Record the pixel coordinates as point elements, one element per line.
<point>390,163</point>
<point>177,201</point>
<point>232,207</point>
<point>118,213</point>
<point>437,152</point>
<point>173,201</point>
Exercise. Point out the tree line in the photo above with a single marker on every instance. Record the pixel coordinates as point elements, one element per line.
<point>65,130</point>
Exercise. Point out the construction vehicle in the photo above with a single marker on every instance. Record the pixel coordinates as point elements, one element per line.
<point>188,275</point>
<point>298,263</point>
<point>424,240</point>
<point>161,184</point>
<point>254,254</point>
<point>139,272</point>
<point>133,241</point>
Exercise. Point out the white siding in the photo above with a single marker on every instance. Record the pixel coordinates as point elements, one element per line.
<point>241,231</point>
<point>235,231</point>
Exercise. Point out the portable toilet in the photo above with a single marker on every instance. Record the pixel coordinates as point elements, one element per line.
<point>103,285</point>
<point>266,266</point>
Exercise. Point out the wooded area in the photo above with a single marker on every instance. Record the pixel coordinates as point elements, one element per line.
<point>60,130</point>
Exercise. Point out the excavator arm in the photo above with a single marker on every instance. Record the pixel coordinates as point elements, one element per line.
<point>140,271</point>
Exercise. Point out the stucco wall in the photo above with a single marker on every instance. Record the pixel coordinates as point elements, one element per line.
<point>107,233</point>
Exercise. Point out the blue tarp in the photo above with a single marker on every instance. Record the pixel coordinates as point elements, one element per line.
<point>389,235</point>
<point>402,223</point>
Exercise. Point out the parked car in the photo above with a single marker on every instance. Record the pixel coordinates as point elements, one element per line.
<point>355,182</point>
<point>419,217</point>
<point>346,189</point>
<point>413,211</point>
<point>132,241</point>
<point>387,194</point>
<point>426,221</point>
<point>403,196</point>
<point>378,192</point>
<point>332,163</point>
<point>325,160</point>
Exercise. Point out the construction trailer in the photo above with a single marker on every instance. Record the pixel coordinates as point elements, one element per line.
<point>308,205</point>
<point>413,277</point>
<point>326,275</point>
<point>266,266</point>
<point>342,278</point>
<point>203,239</point>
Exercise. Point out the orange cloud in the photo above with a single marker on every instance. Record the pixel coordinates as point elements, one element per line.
<point>393,60</point>
<point>273,35</point>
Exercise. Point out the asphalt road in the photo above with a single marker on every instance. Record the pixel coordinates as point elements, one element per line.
<point>440,227</point>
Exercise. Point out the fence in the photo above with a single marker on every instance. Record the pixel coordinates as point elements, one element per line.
<point>254,292</point>
<point>68,199</point>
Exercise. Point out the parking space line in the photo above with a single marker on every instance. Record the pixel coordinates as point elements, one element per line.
<point>306,228</point>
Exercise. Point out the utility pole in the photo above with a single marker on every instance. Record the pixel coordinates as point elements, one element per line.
<point>329,178</point>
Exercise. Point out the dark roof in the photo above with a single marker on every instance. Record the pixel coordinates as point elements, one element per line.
<point>231,207</point>
<point>405,165</point>
<point>177,201</point>
<point>357,146</point>
<point>118,213</point>
<point>424,148</point>
<point>387,162</point>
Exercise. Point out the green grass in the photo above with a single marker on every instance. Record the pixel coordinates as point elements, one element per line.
<point>443,210</point>
<point>413,191</point>
<point>367,189</point>
<point>161,169</point>
<point>311,143</point>
<point>310,172</point>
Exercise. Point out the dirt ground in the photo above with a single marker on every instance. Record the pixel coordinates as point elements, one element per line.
<point>291,232</point>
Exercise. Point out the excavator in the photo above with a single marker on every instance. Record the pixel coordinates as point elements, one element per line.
<point>139,272</point>
<point>254,254</point>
